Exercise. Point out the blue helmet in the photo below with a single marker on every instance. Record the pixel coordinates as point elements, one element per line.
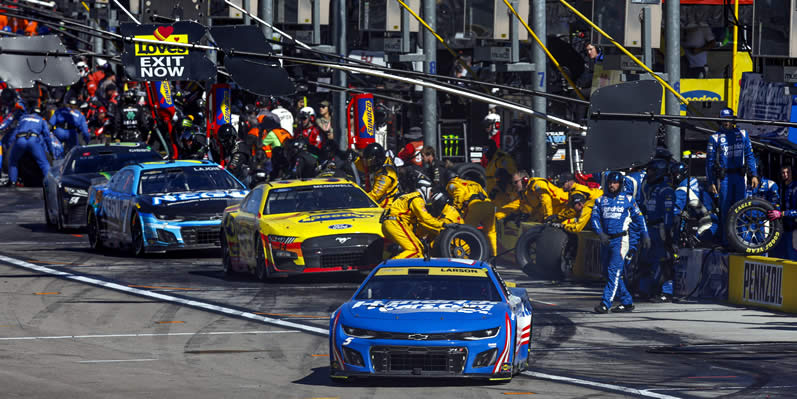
<point>727,113</point>
<point>615,177</point>
<point>657,170</point>
<point>678,171</point>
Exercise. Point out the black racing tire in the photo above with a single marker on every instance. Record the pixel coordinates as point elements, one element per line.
<point>547,264</point>
<point>137,247</point>
<point>226,259</point>
<point>59,220</point>
<point>748,215</point>
<point>93,232</point>
<point>262,269</point>
<point>473,172</point>
<point>47,218</point>
<point>464,242</point>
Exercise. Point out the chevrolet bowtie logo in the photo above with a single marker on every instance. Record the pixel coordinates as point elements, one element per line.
<point>417,337</point>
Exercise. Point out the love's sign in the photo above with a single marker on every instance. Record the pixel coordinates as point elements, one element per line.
<point>153,55</point>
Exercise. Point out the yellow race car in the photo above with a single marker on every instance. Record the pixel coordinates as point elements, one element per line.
<point>292,227</point>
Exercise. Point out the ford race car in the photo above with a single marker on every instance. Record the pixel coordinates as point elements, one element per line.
<point>67,183</point>
<point>432,318</point>
<point>302,226</point>
<point>161,206</point>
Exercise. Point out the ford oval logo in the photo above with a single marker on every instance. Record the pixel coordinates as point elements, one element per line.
<point>340,226</point>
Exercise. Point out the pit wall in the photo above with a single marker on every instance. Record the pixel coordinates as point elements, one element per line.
<point>763,282</point>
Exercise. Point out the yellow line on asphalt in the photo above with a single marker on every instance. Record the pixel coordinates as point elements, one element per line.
<point>310,355</point>
<point>46,293</point>
<point>169,322</point>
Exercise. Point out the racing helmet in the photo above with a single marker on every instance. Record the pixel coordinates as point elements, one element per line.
<point>424,187</point>
<point>678,172</point>
<point>657,170</point>
<point>437,203</point>
<point>307,113</point>
<point>577,198</point>
<point>129,96</point>
<point>374,155</point>
<point>82,69</point>
<point>492,120</point>
<point>227,135</point>
<point>188,121</point>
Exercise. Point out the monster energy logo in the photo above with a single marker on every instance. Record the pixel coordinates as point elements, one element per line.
<point>451,145</point>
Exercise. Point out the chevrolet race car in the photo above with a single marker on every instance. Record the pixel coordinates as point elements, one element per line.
<point>432,318</point>
<point>67,183</point>
<point>302,226</point>
<point>161,206</point>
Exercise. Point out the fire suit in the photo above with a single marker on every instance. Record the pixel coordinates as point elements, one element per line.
<point>31,135</point>
<point>397,224</point>
<point>659,203</point>
<point>500,160</point>
<point>694,203</point>
<point>573,221</point>
<point>728,157</point>
<point>612,215</point>
<point>768,190</point>
<point>132,123</point>
<point>544,199</point>
<point>313,136</point>
<point>475,207</point>
<point>69,123</point>
<point>384,185</point>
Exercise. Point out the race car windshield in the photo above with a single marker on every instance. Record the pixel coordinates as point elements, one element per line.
<point>426,287</point>
<point>107,162</point>
<point>321,197</point>
<point>190,178</point>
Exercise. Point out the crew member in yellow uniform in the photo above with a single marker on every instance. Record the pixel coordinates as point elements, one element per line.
<point>496,160</point>
<point>581,201</point>
<point>439,208</point>
<point>476,208</point>
<point>406,212</point>
<point>519,204</point>
<point>382,175</point>
<point>544,199</point>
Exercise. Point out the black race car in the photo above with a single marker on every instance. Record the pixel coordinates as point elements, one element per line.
<point>66,185</point>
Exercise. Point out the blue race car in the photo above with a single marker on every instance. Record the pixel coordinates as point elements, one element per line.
<point>432,318</point>
<point>162,206</point>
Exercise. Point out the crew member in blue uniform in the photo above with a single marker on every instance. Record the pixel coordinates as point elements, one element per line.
<point>69,122</point>
<point>611,217</point>
<point>31,135</point>
<point>659,199</point>
<point>692,202</point>
<point>729,157</point>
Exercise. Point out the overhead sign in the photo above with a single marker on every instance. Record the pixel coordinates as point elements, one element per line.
<point>22,71</point>
<point>153,57</point>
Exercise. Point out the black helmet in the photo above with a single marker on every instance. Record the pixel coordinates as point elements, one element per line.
<point>299,144</point>
<point>227,134</point>
<point>657,170</point>
<point>437,203</point>
<point>577,198</point>
<point>613,177</point>
<point>129,96</point>
<point>374,154</point>
<point>678,172</point>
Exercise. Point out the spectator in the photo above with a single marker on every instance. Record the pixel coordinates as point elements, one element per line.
<point>698,39</point>
<point>595,56</point>
<point>324,120</point>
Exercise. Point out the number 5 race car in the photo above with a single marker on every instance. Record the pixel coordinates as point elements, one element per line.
<point>432,318</point>
<point>302,226</point>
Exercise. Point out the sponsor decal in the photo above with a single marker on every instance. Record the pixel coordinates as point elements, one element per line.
<point>763,283</point>
<point>434,271</point>
<point>335,216</point>
<point>204,196</point>
<point>342,240</point>
<point>158,59</point>
<point>414,306</point>
<point>340,226</point>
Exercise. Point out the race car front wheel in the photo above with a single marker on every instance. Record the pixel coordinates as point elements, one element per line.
<point>47,217</point>
<point>463,242</point>
<point>747,228</point>
<point>93,227</point>
<point>137,243</point>
<point>226,260</point>
<point>539,252</point>
<point>262,270</point>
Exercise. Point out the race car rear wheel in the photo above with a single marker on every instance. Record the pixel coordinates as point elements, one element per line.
<point>47,217</point>
<point>59,221</point>
<point>137,239</point>
<point>93,227</point>
<point>262,269</point>
<point>463,242</point>
<point>748,230</point>
<point>545,263</point>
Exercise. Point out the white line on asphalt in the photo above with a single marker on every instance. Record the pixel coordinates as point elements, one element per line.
<point>283,323</point>
<point>117,361</point>
<point>15,243</point>
<point>143,335</point>
<point>165,298</point>
<point>547,303</point>
<point>618,388</point>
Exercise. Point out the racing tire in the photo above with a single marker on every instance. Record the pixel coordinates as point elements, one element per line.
<point>262,269</point>
<point>545,265</point>
<point>747,216</point>
<point>137,247</point>
<point>47,218</point>
<point>59,221</point>
<point>463,242</point>
<point>473,172</point>
<point>226,260</point>
<point>93,232</point>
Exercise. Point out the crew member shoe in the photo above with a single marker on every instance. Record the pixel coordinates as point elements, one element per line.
<point>660,298</point>
<point>623,308</point>
<point>601,308</point>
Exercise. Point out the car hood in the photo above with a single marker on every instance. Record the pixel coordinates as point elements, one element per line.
<point>397,312</point>
<point>205,202</point>
<point>84,180</point>
<point>312,224</point>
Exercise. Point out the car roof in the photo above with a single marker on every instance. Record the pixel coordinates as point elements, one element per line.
<point>435,262</point>
<point>308,182</point>
<point>173,164</point>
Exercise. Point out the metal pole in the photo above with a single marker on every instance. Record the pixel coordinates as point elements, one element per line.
<point>266,11</point>
<point>539,104</point>
<point>245,5</point>
<point>405,31</point>
<point>97,39</point>
<point>316,21</point>
<point>673,62</point>
<point>339,99</point>
<point>647,51</point>
<point>513,36</point>
<point>430,67</point>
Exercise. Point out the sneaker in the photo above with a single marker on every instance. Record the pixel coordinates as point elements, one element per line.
<point>601,308</point>
<point>660,298</point>
<point>623,308</point>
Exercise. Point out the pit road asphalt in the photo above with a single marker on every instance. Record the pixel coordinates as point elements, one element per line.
<point>78,324</point>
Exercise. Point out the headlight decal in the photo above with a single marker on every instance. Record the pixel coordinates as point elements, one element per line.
<point>335,350</point>
<point>78,192</point>
<point>505,351</point>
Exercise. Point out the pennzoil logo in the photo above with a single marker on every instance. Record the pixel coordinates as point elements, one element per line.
<point>763,283</point>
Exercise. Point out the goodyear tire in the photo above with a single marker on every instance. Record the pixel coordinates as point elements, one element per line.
<point>748,230</point>
<point>262,269</point>
<point>137,246</point>
<point>47,217</point>
<point>463,241</point>
<point>226,258</point>
<point>545,264</point>
<point>473,172</point>
<point>93,227</point>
